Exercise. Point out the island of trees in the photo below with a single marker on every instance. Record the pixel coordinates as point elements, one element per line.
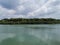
<point>30,21</point>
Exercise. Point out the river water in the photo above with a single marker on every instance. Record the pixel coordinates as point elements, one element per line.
<point>42,34</point>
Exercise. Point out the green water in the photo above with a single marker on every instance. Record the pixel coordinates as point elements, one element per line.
<point>30,34</point>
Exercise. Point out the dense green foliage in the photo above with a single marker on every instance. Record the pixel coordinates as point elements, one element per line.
<point>30,21</point>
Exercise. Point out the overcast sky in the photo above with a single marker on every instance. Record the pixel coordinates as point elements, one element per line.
<point>29,9</point>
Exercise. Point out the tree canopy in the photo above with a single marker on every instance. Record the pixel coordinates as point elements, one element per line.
<point>30,21</point>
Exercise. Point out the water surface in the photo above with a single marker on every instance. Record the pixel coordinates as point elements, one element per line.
<point>30,34</point>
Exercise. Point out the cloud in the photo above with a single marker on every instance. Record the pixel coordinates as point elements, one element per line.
<point>49,9</point>
<point>9,4</point>
<point>4,13</point>
<point>29,8</point>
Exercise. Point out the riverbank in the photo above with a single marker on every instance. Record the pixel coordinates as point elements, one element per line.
<point>29,21</point>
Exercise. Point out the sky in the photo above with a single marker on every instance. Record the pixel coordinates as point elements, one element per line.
<point>30,9</point>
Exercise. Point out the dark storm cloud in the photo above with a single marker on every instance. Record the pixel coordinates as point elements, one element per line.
<point>9,4</point>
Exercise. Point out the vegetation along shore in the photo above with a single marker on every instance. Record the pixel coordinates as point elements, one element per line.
<point>30,21</point>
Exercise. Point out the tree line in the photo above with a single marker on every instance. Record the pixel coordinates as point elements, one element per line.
<point>30,21</point>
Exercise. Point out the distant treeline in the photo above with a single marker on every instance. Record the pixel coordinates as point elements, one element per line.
<point>30,21</point>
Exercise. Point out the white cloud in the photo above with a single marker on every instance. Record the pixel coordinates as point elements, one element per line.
<point>20,8</point>
<point>6,12</point>
<point>31,8</point>
<point>46,10</point>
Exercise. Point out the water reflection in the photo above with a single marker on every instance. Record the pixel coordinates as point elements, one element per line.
<point>40,27</point>
<point>29,35</point>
